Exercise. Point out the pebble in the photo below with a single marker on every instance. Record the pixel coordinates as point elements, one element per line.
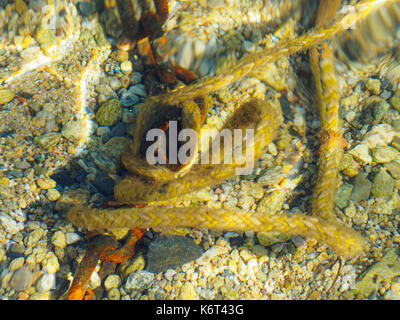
<point>381,134</point>
<point>129,98</point>
<point>17,249</point>
<point>139,280</point>
<point>59,239</point>
<point>112,281</point>
<point>6,96</point>
<point>383,184</point>
<point>229,293</point>
<point>115,83</point>
<point>104,132</point>
<point>342,195</point>
<point>187,292</point>
<point>168,252</point>
<point>74,130</point>
<point>214,251</point>
<point>95,281</point>
<point>33,237</point>
<point>48,140</point>
<point>120,55</point>
<point>9,224</point>
<point>46,282</point>
<point>385,154</point>
<point>46,183</point>
<point>72,237</point>
<point>114,294</point>
<point>53,195</point>
<point>391,295</point>
<point>361,153</point>
<point>267,239</point>
<point>50,264</point>
<point>126,67</point>
<point>373,85</point>
<point>21,279</point>
<point>109,113</point>
<point>361,188</point>
<point>135,78</point>
<point>71,198</point>
<point>380,110</point>
<point>16,264</point>
<point>138,89</point>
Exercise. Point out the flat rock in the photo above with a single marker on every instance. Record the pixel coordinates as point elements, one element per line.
<point>169,252</point>
<point>21,279</point>
<point>361,188</point>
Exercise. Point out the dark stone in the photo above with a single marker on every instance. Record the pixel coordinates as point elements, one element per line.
<point>237,241</point>
<point>63,178</point>
<point>68,176</point>
<point>118,130</point>
<point>104,184</point>
<point>169,252</point>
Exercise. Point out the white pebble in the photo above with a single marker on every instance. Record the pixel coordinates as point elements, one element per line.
<point>95,280</point>
<point>72,237</point>
<point>46,282</point>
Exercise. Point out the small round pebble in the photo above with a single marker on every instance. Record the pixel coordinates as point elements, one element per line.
<point>114,294</point>
<point>112,281</point>
<point>126,67</point>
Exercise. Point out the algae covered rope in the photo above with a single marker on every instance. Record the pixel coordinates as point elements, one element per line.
<point>327,90</point>
<point>342,239</point>
<point>262,116</point>
<point>252,61</point>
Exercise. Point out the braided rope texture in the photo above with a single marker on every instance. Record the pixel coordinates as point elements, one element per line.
<point>327,92</point>
<point>344,240</point>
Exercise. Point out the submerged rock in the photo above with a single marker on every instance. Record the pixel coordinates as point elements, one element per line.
<point>6,96</point>
<point>386,269</point>
<point>169,252</point>
<point>383,184</point>
<point>361,188</point>
<point>109,113</point>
